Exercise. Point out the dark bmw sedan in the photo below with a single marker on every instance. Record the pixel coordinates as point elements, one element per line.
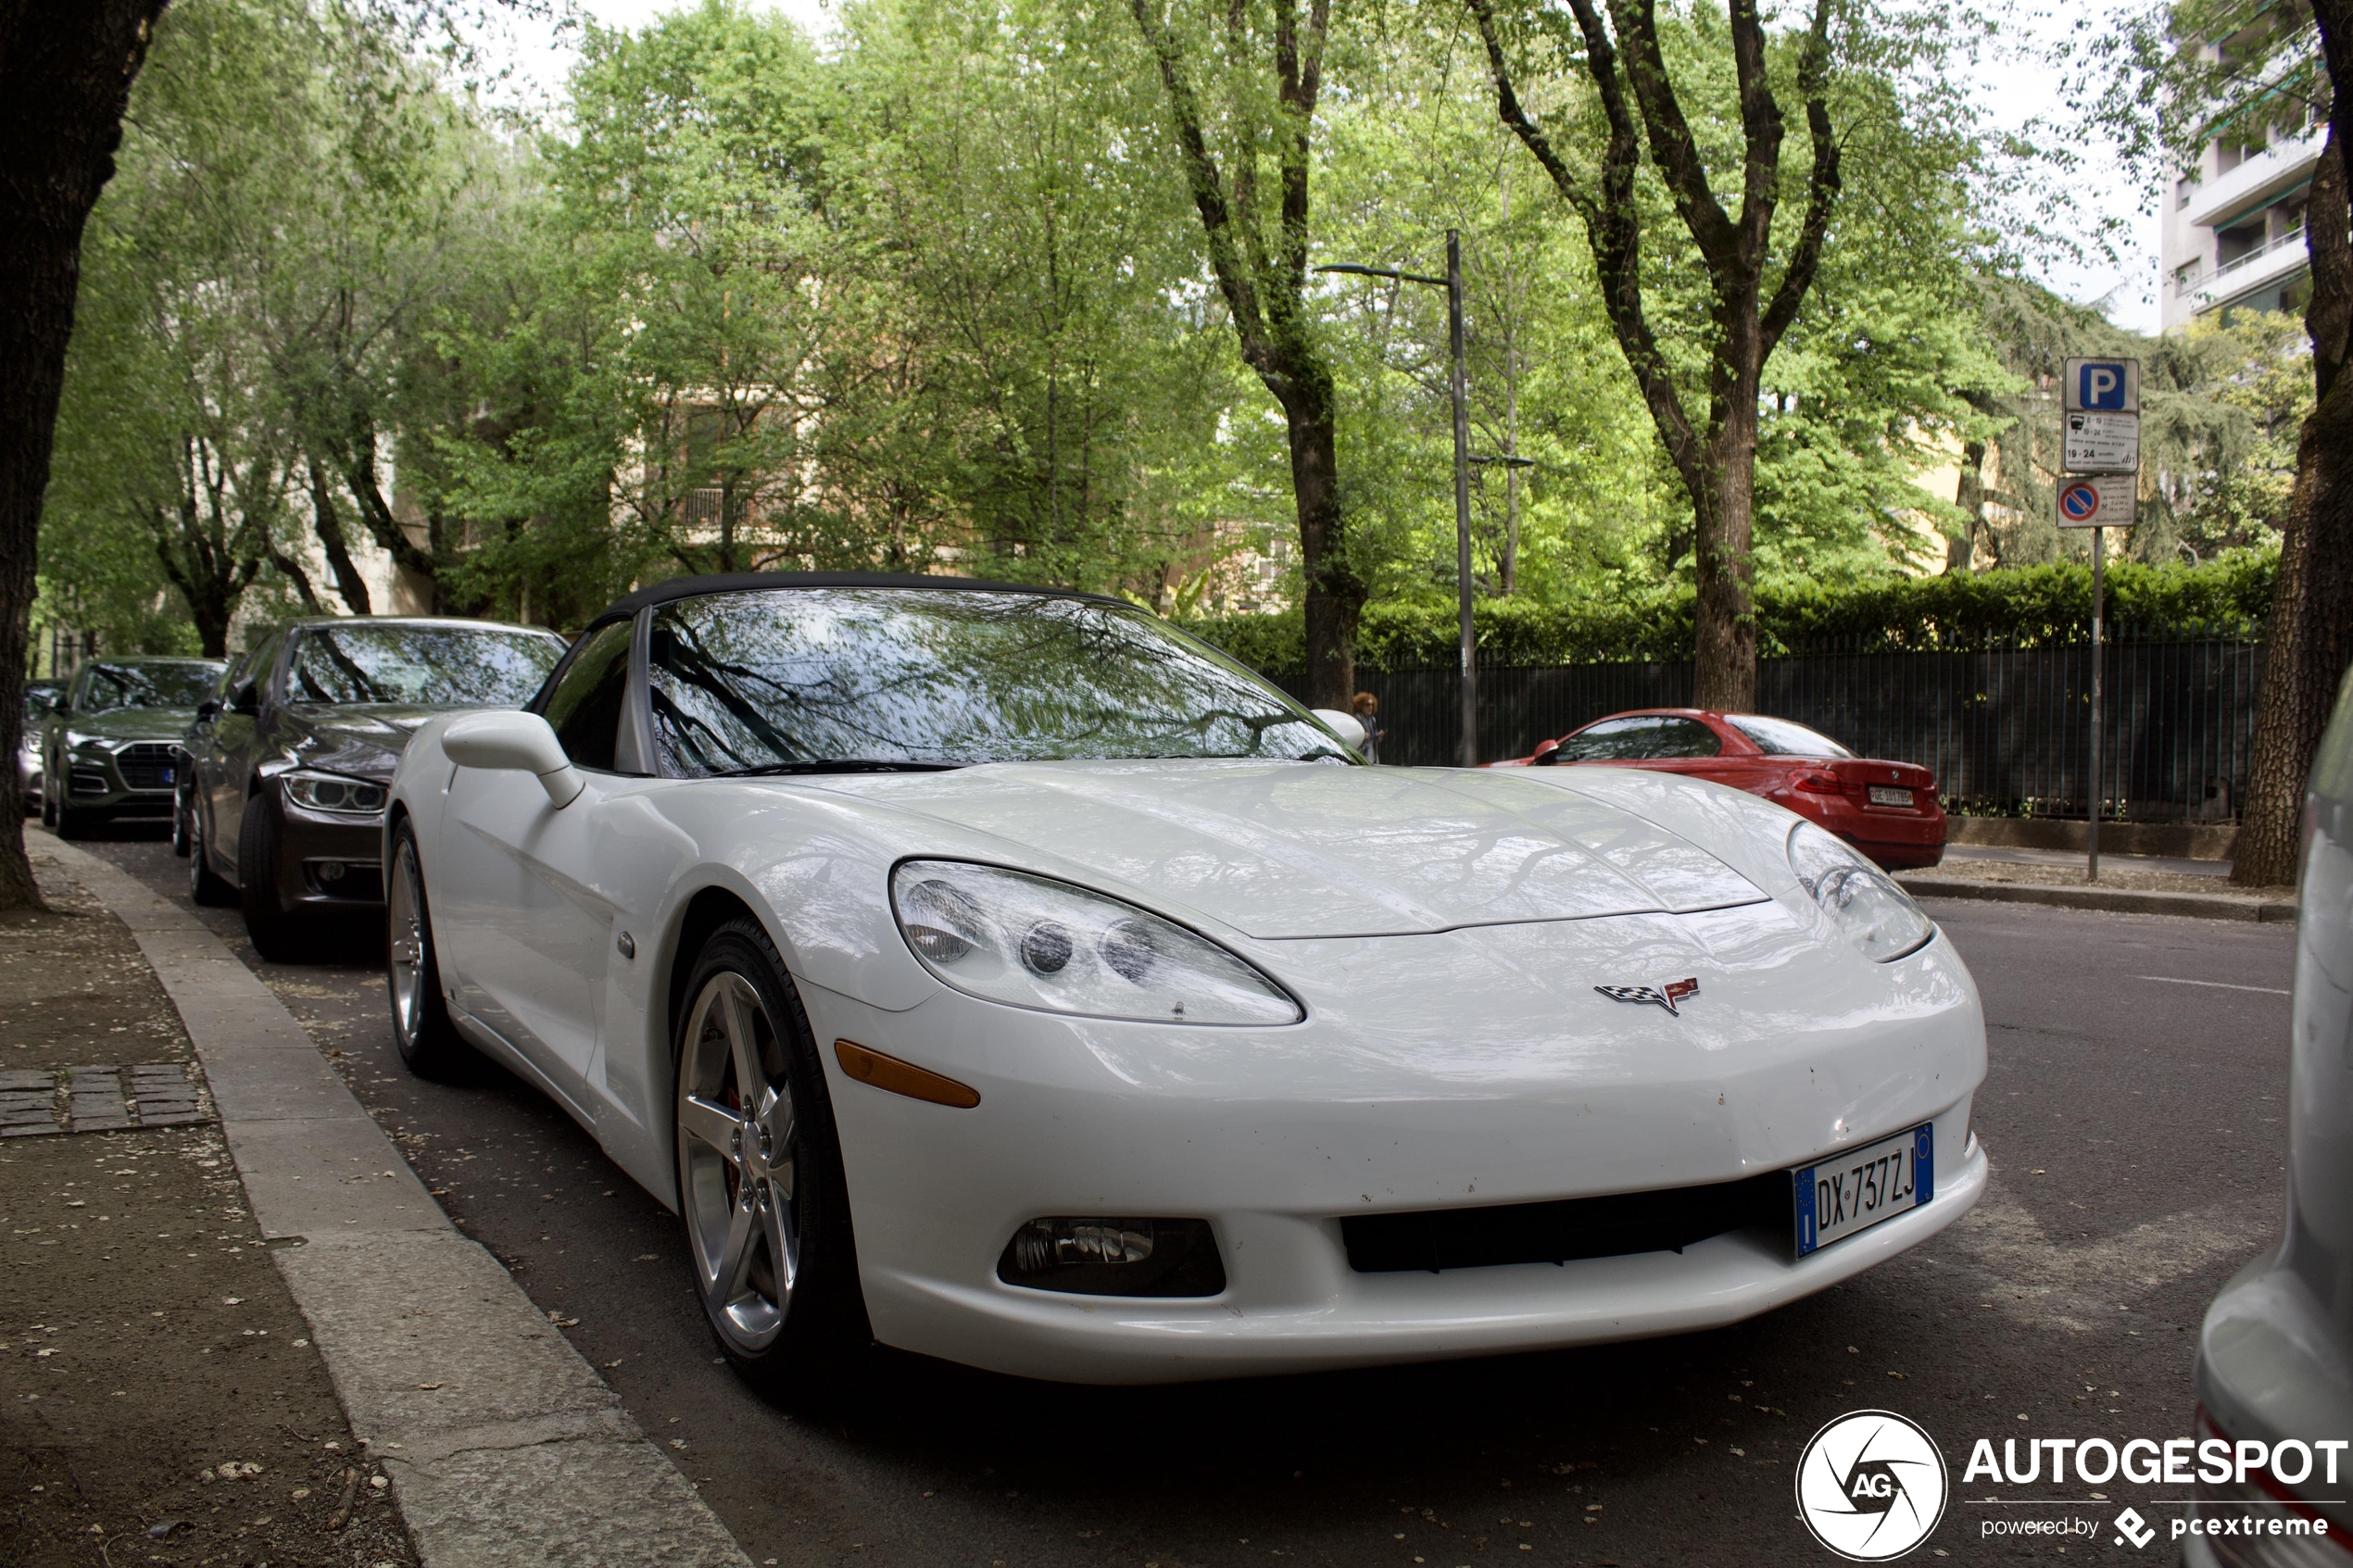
<point>282,793</point>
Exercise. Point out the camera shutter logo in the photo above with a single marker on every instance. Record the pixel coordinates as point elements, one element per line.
<point>1871,1486</point>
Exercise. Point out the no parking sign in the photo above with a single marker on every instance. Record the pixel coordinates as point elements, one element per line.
<point>2101,501</point>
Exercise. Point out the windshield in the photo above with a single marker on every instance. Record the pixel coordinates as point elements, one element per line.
<point>174,684</point>
<point>1779,738</point>
<point>420,666</point>
<point>771,679</point>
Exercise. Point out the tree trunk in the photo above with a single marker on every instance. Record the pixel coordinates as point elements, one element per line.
<point>1334,600</point>
<point>328,521</point>
<point>1725,676</point>
<point>1968,495</point>
<point>1262,271</point>
<point>66,69</point>
<point>1639,104</point>
<point>2310,635</point>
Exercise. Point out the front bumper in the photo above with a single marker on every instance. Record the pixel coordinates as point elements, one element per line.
<point>1516,1085</point>
<point>328,861</point>
<point>133,781</point>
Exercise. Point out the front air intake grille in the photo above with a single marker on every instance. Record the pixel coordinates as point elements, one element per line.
<point>145,766</point>
<point>1626,1223</point>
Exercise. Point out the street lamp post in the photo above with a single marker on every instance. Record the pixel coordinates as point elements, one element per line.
<point>1457,385</point>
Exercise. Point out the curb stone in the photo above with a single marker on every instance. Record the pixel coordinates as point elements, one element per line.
<point>2198,906</point>
<point>502,1444</point>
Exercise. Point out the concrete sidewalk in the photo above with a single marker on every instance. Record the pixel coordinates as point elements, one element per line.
<point>2078,895</point>
<point>501,1444</point>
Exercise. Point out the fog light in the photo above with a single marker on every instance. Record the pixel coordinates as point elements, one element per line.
<point>331,871</point>
<point>1109,1256</point>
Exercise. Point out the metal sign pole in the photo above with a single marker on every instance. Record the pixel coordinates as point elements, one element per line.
<point>2099,556</point>
<point>1462,496</point>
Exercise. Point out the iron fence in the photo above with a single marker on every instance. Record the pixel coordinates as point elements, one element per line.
<point>2006,730</point>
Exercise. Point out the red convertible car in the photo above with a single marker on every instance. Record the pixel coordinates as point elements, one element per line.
<point>1888,810</point>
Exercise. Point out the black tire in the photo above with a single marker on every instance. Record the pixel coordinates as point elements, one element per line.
<point>205,885</point>
<point>818,1340</point>
<point>182,823</point>
<point>267,921</point>
<point>72,823</point>
<point>48,803</point>
<point>429,1043</point>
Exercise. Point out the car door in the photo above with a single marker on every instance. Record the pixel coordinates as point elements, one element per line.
<point>524,927</point>
<point>232,750</point>
<point>56,781</point>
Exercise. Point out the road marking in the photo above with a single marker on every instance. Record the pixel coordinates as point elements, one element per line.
<point>2215,984</point>
<point>524,1456</point>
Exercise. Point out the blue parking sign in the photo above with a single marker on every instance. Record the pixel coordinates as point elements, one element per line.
<point>2102,386</point>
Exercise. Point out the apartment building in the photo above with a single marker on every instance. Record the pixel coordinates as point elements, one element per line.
<point>2233,235</point>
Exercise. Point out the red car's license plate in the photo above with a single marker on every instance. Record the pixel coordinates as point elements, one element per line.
<point>1889,795</point>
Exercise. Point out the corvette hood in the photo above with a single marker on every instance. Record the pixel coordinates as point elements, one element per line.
<point>1301,849</point>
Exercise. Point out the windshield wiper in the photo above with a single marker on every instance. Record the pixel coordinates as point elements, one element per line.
<point>837,765</point>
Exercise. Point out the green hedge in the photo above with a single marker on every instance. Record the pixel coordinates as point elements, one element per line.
<point>2028,606</point>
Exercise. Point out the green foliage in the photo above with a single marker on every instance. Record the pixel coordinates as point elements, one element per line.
<point>2034,606</point>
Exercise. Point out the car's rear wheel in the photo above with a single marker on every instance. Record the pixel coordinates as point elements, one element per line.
<point>182,814</point>
<point>205,885</point>
<point>267,920</point>
<point>429,1043</point>
<point>759,1176</point>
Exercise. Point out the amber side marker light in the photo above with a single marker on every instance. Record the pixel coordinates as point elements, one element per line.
<point>902,1077</point>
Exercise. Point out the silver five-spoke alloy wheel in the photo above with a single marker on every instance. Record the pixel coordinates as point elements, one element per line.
<point>406,918</point>
<point>736,1156</point>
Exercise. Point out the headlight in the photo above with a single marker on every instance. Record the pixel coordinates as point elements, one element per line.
<point>1877,916</point>
<point>1041,944</point>
<point>324,792</point>
<point>80,742</point>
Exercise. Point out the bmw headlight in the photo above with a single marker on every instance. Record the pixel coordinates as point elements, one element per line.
<point>1036,942</point>
<point>1877,916</point>
<point>338,797</point>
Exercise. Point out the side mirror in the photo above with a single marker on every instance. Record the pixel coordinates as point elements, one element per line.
<point>1547,754</point>
<point>1344,725</point>
<point>512,742</point>
<point>245,697</point>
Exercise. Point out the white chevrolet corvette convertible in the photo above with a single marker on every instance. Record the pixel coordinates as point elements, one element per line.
<point>1006,976</point>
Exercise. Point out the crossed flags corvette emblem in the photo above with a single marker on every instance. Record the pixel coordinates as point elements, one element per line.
<point>1667,995</point>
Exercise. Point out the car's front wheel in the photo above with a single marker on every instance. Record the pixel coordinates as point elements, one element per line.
<point>760,1174</point>
<point>267,919</point>
<point>428,1042</point>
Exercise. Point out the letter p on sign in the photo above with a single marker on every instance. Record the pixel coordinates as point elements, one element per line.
<point>2102,386</point>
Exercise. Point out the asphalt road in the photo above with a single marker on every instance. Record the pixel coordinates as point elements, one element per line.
<point>2135,1111</point>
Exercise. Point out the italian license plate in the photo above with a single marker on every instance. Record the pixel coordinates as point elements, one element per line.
<point>1890,795</point>
<point>1835,1198</point>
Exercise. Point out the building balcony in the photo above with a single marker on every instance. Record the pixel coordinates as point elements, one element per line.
<point>2264,268</point>
<point>2286,165</point>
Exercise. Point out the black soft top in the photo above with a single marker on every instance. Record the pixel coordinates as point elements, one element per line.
<point>737,582</point>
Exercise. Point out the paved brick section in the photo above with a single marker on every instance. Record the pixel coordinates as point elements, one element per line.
<point>98,1099</point>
